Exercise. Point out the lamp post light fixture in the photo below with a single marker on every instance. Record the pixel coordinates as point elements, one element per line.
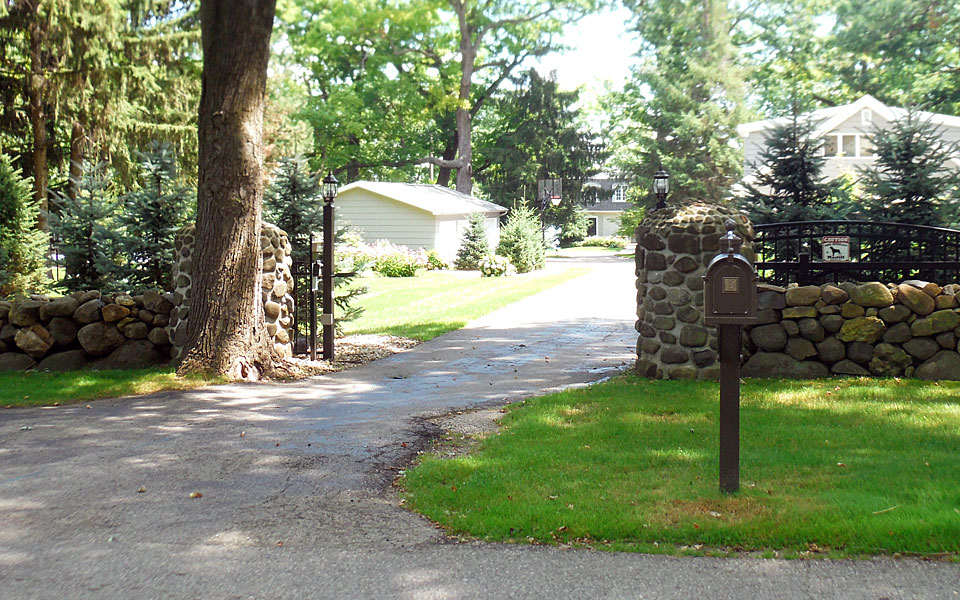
<point>661,186</point>
<point>329,191</point>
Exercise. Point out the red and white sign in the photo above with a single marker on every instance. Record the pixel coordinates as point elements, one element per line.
<point>836,248</point>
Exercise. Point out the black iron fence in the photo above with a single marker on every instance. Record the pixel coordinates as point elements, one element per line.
<point>305,301</point>
<point>816,252</point>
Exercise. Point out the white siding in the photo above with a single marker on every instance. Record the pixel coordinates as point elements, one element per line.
<point>607,222</point>
<point>752,147</point>
<point>448,233</point>
<point>492,225</point>
<point>380,218</point>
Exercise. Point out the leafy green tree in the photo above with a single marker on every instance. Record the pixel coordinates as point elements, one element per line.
<point>521,240</point>
<point>574,225</point>
<point>151,218</point>
<point>88,232</point>
<point>294,203</point>
<point>474,245</point>
<point>683,104</point>
<point>23,248</point>
<point>910,181</point>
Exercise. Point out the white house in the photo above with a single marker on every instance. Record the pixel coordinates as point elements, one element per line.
<point>604,202</point>
<point>414,215</point>
<point>845,133</point>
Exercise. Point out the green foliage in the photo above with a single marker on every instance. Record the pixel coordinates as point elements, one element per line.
<point>435,262</point>
<point>788,185</point>
<point>23,248</point>
<point>88,233</point>
<point>535,131</point>
<point>910,181</point>
<point>599,241</point>
<point>629,220</point>
<point>152,215</point>
<point>521,240</point>
<point>574,227</point>
<point>294,203</point>
<point>397,265</point>
<point>683,103</point>
<point>474,245</point>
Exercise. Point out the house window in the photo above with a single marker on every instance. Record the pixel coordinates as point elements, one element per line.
<point>866,147</point>
<point>830,146</point>
<point>866,117</point>
<point>848,145</point>
<point>620,194</point>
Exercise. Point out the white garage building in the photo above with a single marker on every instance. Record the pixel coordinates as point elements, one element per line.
<point>414,215</point>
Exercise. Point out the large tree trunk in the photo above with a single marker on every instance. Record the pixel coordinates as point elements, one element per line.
<point>468,57</point>
<point>449,153</point>
<point>227,333</point>
<point>38,118</point>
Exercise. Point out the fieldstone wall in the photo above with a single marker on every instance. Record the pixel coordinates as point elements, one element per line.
<point>278,305</point>
<point>674,247</point>
<point>85,329</point>
<point>910,330</point>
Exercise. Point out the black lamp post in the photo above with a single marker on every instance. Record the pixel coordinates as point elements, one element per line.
<point>661,187</point>
<point>329,191</point>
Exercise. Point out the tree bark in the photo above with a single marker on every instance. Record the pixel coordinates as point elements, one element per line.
<point>77,144</point>
<point>468,58</point>
<point>38,117</point>
<point>227,333</point>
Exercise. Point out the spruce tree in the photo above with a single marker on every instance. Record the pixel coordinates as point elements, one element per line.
<point>88,229</point>
<point>23,247</point>
<point>152,216</point>
<point>788,185</point>
<point>911,182</point>
<point>474,245</point>
<point>521,240</point>
<point>294,204</point>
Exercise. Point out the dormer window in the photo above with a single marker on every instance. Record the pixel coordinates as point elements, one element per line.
<point>866,117</point>
<point>620,194</point>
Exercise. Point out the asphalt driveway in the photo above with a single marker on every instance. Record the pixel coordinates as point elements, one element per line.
<point>295,480</point>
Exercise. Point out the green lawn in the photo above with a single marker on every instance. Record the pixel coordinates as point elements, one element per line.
<point>436,302</point>
<point>40,388</point>
<point>838,467</point>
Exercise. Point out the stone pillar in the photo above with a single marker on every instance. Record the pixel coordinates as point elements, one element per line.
<point>278,304</point>
<point>674,246</point>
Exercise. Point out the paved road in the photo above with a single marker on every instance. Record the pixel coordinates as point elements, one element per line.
<point>310,464</point>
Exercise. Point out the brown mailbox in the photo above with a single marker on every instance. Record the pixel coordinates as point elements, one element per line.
<point>730,285</point>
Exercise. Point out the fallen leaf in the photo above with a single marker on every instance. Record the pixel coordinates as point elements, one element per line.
<point>280,544</point>
<point>453,487</point>
<point>88,406</point>
<point>196,495</point>
<point>841,464</point>
<point>56,404</point>
<point>141,490</point>
<point>243,433</point>
<point>552,497</point>
<point>695,526</point>
<point>278,443</point>
<point>403,444</point>
<point>715,514</point>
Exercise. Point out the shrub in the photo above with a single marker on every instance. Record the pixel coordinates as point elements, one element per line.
<point>495,266</point>
<point>474,246</point>
<point>597,241</point>
<point>23,248</point>
<point>391,260</point>
<point>574,228</point>
<point>435,262</point>
<point>522,241</point>
<point>293,203</point>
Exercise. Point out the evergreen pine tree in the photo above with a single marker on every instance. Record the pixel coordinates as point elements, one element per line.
<point>294,204</point>
<point>474,245</point>
<point>788,185</point>
<point>23,247</point>
<point>910,182</point>
<point>152,216</point>
<point>521,240</point>
<point>87,227</point>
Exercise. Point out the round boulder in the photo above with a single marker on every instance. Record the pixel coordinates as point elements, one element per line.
<point>873,294</point>
<point>944,365</point>
<point>769,338</point>
<point>100,339</point>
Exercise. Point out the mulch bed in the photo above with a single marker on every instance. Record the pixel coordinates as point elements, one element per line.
<point>351,351</point>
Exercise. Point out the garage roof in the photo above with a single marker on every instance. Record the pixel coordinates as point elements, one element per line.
<point>435,199</point>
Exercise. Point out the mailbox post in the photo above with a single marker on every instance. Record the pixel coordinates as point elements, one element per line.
<point>729,301</point>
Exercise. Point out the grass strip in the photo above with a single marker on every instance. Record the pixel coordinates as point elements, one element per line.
<point>840,468</point>
<point>436,302</point>
<point>43,388</point>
